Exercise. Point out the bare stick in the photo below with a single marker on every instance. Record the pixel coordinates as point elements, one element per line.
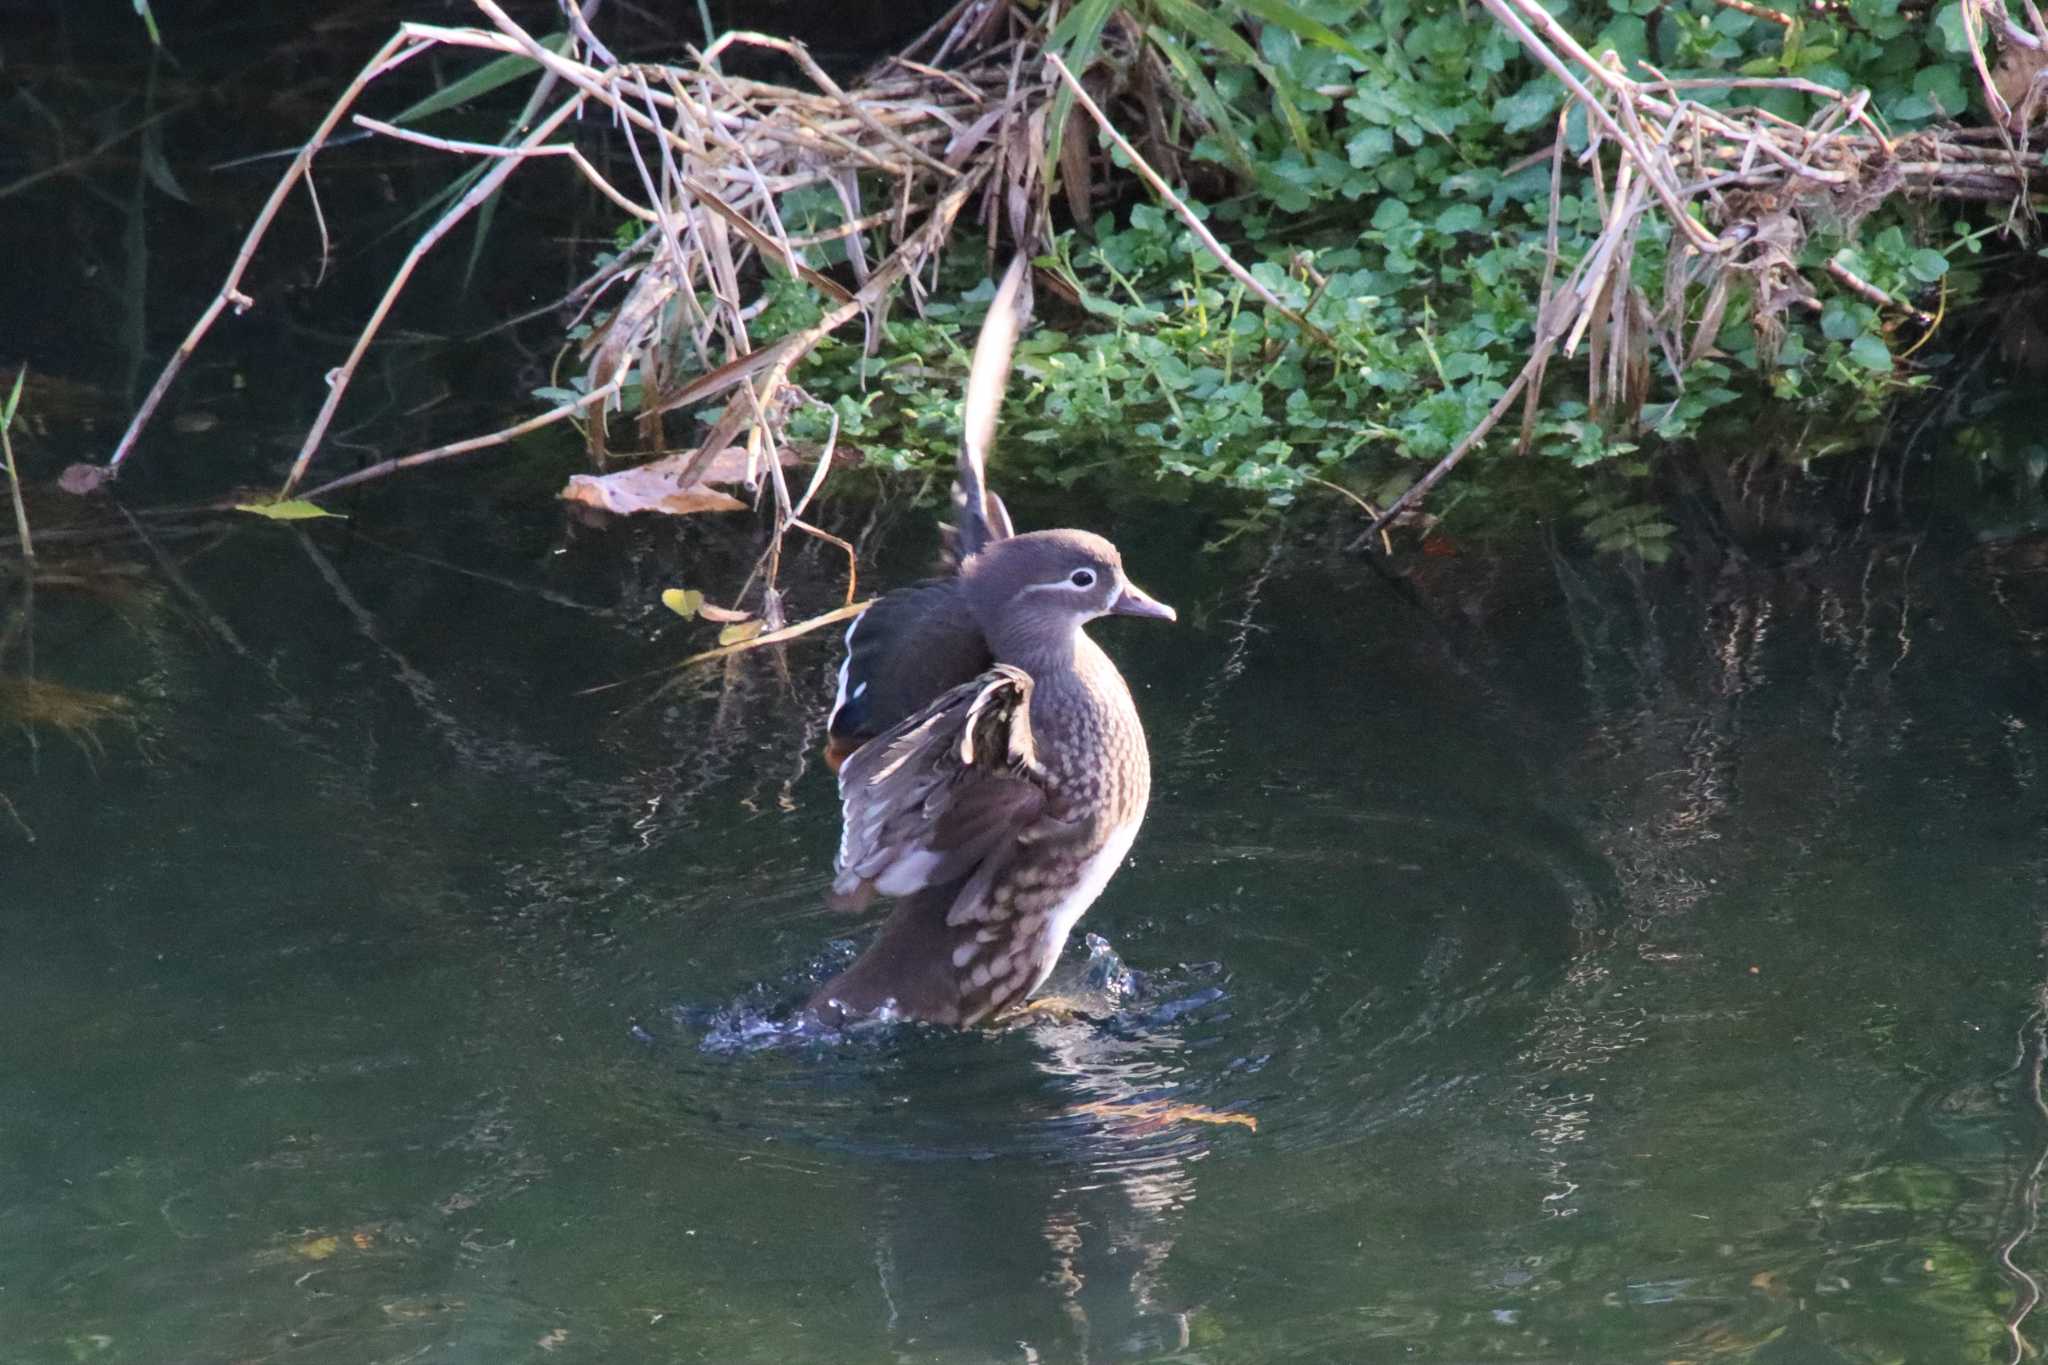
<point>595,397</point>
<point>28,546</point>
<point>1195,225</point>
<point>338,379</point>
<point>388,56</point>
<point>493,149</point>
<point>1769,16</point>
<point>1870,293</point>
<point>772,637</point>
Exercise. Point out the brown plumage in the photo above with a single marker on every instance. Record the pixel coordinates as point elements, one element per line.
<point>994,768</point>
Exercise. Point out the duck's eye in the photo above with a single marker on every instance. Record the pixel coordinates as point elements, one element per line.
<point>1082,578</point>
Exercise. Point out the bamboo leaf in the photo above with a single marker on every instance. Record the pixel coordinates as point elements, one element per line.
<point>1301,26</point>
<point>291,509</point>
<point>482,81</point>
<point>1078,40</point>
<point>1211,104</point>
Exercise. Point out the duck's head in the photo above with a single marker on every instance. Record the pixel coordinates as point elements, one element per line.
<point>1037,590</point>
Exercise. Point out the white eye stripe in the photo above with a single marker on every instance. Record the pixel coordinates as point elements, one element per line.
<point>1066,584</point>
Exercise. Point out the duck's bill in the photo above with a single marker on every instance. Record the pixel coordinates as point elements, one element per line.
<point>1135,601</point>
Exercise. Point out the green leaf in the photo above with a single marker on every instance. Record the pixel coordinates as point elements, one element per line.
<point>1460,218</point>
<point>1955,35</point>
<point>1390,213</point>
<point>291,509</point>
<point>1529,106</point>
<point>1870,352</point>
<point>1369,147</point>
<point>1838,322</point>
<point>13,399</point>
<point>684,602</point>
<point>1941,87</point>
<point>1927,265</point>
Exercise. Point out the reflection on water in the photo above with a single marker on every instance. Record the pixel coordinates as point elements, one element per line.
<point>1525,960</point>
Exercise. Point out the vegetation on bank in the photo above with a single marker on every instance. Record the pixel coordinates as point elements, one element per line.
<point>1569,240</point>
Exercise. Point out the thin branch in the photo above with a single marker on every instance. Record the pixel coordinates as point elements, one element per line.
<point>1187,216</point>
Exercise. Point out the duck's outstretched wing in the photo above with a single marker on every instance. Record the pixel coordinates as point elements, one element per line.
<point>911,646</point>
<point>943,796</point>
<point>978,514</point>
<point>937,811</point>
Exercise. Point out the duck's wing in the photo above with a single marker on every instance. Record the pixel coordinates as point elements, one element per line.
<point>911,646</point>
<point>943,796</point>
<point>978,514</point>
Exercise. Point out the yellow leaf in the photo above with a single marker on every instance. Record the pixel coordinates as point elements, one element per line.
<point>316,1248</point>
<point>292,509</point>
<point>739,632</point>
<point>684,602</point>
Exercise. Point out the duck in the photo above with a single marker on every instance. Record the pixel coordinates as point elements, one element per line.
<point>992,767</point>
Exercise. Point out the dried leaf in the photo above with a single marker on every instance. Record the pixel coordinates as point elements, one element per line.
<point>723,615</point>
<point>651,488</point>
<point>81,479</point>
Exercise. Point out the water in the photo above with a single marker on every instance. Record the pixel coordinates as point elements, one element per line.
<point>1533,961</point>
<point>1525,959</point>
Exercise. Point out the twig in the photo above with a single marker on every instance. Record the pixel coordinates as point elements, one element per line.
<point>1386,544</point>
<point>28,545</point>
<point>1195,225</point>
<point>1755,11</point>
<point>338,379</point>
<point>387,57</point>
<point>1420,489</point>
<point>599,395</point>
<point>771,637</point>
<point>1871,294</point>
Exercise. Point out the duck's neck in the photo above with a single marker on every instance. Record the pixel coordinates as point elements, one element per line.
<point>1043,649</point>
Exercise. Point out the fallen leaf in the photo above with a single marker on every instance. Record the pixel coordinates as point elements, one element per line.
<point>291,509</point>
<point>723,614</point>
<point>364,1239</point>
<point>550,1340</point>
<point>81,479</point>
<point>684,602</point>
<point>655,486</point>
<point>316,1248</point>
<point>739,632</point>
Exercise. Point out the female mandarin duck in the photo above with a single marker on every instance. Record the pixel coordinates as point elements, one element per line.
<point>992,768</point>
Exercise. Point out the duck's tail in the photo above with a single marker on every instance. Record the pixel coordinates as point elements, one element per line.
<point>978,514</point>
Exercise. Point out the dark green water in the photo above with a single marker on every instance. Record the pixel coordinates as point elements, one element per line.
<point>1616,969</point>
